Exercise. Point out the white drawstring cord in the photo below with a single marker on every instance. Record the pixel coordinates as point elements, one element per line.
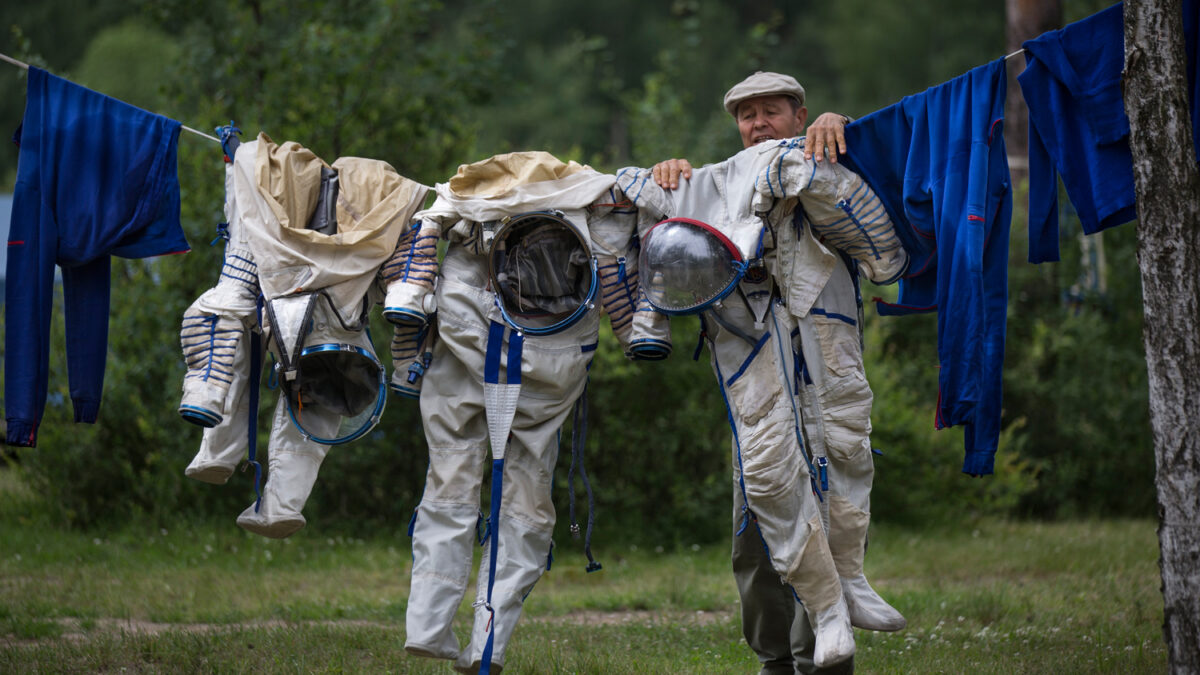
<point>25,66</point>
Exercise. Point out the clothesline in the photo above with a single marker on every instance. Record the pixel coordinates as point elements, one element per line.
<point>25,66</point>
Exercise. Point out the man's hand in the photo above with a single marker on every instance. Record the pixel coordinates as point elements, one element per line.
<point>668,172</point>
<point>826,138</point>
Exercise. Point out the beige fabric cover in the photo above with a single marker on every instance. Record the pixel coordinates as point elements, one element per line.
<point>277,184</point>
<point>496,176</point>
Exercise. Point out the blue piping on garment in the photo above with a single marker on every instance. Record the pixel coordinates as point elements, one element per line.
<point>812,474</point>
<point>485,664</point>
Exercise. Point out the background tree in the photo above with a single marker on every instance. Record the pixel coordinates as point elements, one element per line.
<point>52,35</point>
<point>1167,184</point>
<point>1026,19</point>
<point>375,78</point>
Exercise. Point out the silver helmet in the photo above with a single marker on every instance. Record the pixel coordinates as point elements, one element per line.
<point>334,384</point>
<point>687,265</point>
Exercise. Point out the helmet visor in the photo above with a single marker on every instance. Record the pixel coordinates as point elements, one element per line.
<point>686,265</point>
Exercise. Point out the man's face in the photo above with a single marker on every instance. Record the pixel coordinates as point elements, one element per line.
<point>768,118</point>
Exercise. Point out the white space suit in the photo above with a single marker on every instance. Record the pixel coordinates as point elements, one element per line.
<point>842,212</point>
<point>315,290</point>
<point>765,337</point>
<point>490,385</point>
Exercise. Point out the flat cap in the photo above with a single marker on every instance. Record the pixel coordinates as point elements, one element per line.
<point>763,84</point>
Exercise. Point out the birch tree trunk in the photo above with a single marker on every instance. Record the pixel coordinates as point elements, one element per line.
<point>1168,205</point>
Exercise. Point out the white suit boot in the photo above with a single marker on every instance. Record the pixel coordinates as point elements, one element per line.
<point>848,525</point>
<point>294,463</point>
<point>443,536</point>
<point>834,636</point>
<point>221,448</point>
<point>220,452</point>
<point>867,609</point>
<point>520,562</point>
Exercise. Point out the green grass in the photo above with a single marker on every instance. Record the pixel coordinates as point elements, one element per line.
<point>993,597</point>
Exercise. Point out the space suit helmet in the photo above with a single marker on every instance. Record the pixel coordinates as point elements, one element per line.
<point>542,272</point>
<point>341,378</point>
<point>686,265</point>
<point>335,386</point>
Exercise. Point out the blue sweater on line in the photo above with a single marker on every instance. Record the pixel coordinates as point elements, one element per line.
<point>1078,127</point>
<point>95,177</point>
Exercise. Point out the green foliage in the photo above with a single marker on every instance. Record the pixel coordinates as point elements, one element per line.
<point>131,62</point>
<point>51,34</point>
<point>630,81</point>
<point>906,47</point>
<point>127,466</point>
<point>658,446</point>
<point>633,81</point>
<point>1076,371</point>
<point>388,79</point>
<point>655,112</point>
<point>378,78</point>
<point>918,476</point>
<point>1076,437</point>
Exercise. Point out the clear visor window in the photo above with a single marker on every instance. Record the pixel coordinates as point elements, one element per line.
<point>541,271</point>
<point>684,266</point>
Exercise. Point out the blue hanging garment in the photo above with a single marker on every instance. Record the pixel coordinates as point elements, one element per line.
<point>937,161</point>
<point>1078,127</point>
<point>95,177</point>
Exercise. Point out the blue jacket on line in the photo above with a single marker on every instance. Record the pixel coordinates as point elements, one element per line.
<point>95,177</point>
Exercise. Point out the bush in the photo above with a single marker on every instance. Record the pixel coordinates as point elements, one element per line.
<point>918,475</point>
<point>1076,373</point>
<point>658,445</point>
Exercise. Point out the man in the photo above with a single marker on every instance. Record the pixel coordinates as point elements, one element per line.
<point>769,117</point>
<point>770,107</point>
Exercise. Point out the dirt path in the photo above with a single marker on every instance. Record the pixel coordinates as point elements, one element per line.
<point>81,630</point>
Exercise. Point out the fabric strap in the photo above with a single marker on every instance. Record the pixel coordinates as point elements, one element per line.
<point>500,402</point>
